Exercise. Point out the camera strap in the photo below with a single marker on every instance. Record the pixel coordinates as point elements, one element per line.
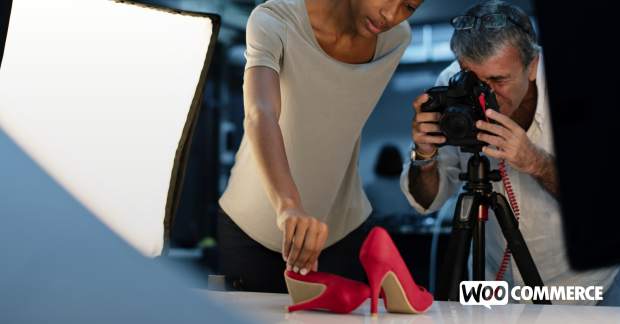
<point>509,192</point>
<point>512,199</point>
<point>483,103</point>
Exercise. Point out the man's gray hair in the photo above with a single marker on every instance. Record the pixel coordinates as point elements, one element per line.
<point>478,44</point>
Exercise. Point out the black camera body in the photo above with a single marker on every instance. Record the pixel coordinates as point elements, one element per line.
<point>460,105</point>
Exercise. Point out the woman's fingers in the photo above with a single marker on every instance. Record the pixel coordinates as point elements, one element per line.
<point>321,237</point>
<point>308,247</point>
<point>297,242</point>
<point>315,265</point>
<point>289,232</point>
<point>303,240</point>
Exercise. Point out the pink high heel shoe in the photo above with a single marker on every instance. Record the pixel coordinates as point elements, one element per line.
<point>388,273</point>
<point>325,291</point>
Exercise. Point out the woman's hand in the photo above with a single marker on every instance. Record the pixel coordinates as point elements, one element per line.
<point>303,240</point>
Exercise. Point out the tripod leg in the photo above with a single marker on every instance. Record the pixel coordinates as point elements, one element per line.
<point>479,257</point>
<point>516,243</point>
<point>454,266</point>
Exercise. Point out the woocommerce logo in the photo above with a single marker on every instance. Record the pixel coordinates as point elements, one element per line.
<point>485,293</point>
<point>489,293</point>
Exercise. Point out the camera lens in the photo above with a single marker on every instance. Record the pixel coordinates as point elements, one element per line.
<point>456,123</point>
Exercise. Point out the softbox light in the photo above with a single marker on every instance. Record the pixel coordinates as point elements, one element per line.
<point>104,96</point>
<point>59,264</point>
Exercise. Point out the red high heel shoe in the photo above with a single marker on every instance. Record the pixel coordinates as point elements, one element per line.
<point>387,272</point>
<point>321,290</point>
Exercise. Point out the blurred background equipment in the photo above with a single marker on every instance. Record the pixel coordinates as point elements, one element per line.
<point>384,191</point>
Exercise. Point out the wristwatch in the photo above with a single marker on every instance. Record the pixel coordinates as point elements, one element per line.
<point>418,160</point>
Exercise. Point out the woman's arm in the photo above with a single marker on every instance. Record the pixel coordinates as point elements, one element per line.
<point>304,235</point>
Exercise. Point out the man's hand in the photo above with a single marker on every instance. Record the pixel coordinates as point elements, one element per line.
<point>303,241</point>
<point>423,124</point>
<point>512,144</point>
<point>424,181</point>
<point>510,141</point>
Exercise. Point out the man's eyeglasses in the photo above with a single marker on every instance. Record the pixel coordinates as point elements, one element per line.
<point>490,21</point>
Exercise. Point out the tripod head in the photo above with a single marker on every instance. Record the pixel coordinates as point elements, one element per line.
<point>479,174</point>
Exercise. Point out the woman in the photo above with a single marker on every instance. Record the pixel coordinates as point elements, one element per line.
<point>315,70</point>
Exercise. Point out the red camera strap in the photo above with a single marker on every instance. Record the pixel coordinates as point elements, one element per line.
<point>511,198</point>
<point>515,209</point>
<point>483,103</point>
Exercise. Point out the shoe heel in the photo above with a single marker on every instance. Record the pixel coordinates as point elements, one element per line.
<point>376,275</point>
<point>374,301</point>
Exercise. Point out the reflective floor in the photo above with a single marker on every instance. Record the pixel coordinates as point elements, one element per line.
<point>270,308</point>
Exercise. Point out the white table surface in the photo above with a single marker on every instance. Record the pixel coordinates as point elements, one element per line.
<point>270,308</point>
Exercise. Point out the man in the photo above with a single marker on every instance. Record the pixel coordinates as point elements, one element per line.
<point>496,41</point>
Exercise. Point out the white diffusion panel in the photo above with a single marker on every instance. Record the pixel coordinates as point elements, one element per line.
<point>97,93</point>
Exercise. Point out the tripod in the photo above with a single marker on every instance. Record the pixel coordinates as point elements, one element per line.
<point>470,216</point>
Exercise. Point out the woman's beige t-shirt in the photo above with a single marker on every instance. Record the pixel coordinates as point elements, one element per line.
<point>324,105</point>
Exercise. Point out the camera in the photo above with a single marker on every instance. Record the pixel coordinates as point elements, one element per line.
<point>461,104</point>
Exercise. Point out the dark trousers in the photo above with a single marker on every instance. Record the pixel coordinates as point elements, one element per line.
<point>249,266</point>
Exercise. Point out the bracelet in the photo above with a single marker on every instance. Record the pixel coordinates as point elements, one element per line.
<point>426,156</point>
